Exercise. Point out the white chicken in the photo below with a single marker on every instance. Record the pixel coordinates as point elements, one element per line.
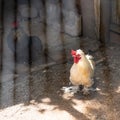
<point>82,71</point>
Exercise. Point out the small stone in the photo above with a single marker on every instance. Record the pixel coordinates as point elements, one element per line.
<point>97,78</point>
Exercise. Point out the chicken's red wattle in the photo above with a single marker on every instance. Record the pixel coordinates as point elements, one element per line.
<point>75,56</point>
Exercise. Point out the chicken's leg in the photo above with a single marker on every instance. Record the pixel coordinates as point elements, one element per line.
<point>71,89</point>
<point>85,90</point>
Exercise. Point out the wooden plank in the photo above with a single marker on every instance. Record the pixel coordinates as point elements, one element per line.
<point>113,19</point>
<point>22,91</point>
<point>118,11</point>
<point>7,76</point>
<point>88,18</point>
<point>1,34</point>
<point>115,11</point>
<point>97,17</point>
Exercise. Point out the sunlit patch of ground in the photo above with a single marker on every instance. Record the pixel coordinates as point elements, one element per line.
<point>43,99</point>
<point>44,111</point>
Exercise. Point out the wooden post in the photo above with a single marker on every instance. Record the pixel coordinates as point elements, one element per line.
<point>97,17</point>
<point>118,11</point>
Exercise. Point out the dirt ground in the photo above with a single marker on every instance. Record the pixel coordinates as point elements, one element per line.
<point>34,92</point>
<point>38,96</point>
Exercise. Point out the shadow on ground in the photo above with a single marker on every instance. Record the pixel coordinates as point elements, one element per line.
<point>38,91</point>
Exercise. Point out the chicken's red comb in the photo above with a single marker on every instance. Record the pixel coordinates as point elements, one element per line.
<point>73,52</point>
